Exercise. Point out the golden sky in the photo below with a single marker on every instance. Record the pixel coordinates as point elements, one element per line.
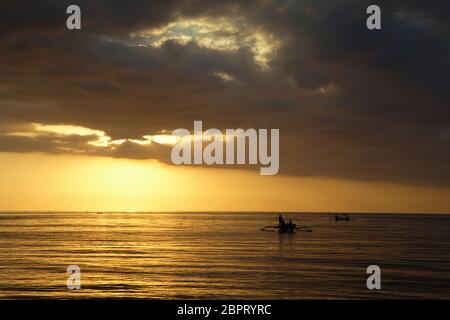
<point>79,183</point>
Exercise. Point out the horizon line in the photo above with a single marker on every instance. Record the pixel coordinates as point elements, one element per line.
<point>225,211</point>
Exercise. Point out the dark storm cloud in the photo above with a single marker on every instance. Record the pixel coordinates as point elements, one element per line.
<point>99,16</point>
<point>350,103</point>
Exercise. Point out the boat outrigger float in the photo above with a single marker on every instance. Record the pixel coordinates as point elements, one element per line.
<point>286,229</point>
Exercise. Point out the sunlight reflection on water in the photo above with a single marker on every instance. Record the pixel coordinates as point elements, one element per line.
<point>222,255</point>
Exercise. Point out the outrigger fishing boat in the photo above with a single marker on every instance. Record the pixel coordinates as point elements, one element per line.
<point>284,227</point>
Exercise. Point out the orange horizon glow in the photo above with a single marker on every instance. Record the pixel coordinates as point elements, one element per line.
<point>41,182</point>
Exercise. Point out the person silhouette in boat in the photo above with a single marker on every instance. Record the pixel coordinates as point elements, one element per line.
<point>281,221</point>
<point>291,226</point>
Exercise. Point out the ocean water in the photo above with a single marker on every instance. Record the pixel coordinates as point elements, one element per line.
<point>222,255</point>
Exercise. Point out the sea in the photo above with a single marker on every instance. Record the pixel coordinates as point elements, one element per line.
<point>222,255</point>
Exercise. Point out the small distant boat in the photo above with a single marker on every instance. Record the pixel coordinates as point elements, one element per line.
<point>342,217</point>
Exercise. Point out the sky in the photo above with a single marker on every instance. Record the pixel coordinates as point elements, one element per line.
<point>86,115</point>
